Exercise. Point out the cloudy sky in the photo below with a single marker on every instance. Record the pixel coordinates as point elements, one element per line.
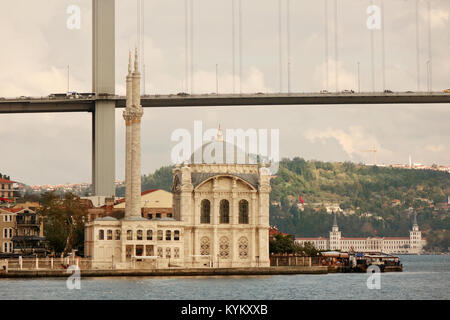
<point>37,46</point>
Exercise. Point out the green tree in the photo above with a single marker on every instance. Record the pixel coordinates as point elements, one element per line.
<point>63,221</point>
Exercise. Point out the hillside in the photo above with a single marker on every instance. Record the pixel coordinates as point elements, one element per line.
<point>374,200</point>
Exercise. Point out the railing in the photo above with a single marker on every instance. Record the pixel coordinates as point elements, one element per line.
<point>289,260</point>
<point>45,263</point>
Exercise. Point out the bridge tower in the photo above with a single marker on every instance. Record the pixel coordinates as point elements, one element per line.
<point>103,83</point>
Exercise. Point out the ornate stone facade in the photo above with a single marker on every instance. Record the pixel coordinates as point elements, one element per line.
<point>220,210</point>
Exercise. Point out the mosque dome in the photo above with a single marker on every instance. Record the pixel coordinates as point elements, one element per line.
<point>219,151</point>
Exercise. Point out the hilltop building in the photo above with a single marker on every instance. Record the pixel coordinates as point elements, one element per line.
<point>6,189</point>
<point>220,210</point>
<point>399,245</point>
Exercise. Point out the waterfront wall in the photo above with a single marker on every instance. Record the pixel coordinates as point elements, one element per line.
<point>167,272</point>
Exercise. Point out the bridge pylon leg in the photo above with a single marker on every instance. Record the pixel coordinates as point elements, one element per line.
<point>103,82</point>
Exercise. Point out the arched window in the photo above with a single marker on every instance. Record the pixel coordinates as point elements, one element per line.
<point>149,234</point>
<point>243,211</point>
<point>109,234</point>
<point>224,211</point>
<point>139,235</point>
<point>168,252</point>
<point>101,234</point>
<point>117,234</point>
<point>129,234</point>
<point>160,234</point>
<point>205,211</point>
<point>176,235</point>
<point>204,246</point>
<point>168,235</point>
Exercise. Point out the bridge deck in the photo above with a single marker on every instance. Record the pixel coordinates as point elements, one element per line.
<point>82,104</point>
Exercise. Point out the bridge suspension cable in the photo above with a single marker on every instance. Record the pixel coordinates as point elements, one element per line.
<point>417,46</point>
<point>280,48</point>
<point>429,62</point>
<point>372,55</point>
<point>336,52</point>
<point>383,48</point>
<point>288,41</point>
<point>327,58</point>
<point>233,43</point>
<point>240,47</point>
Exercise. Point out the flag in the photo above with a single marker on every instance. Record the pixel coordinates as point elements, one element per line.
<point>301,200</point>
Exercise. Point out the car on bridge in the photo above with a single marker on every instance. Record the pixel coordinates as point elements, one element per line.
<point>388,91</point>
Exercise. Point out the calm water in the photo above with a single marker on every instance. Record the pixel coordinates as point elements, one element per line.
<point>424,277</point>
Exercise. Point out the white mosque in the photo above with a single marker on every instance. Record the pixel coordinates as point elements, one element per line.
<point>220,209</point>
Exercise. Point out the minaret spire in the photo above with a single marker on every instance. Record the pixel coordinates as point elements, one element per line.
<point>334,221</point>
<point>136,61</point>
<point>129,63</point>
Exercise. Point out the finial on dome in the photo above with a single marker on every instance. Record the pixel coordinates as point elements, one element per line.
<point>219,134</point>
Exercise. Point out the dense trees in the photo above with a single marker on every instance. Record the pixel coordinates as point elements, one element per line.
<point>63,222</point>
<point>368,191</point>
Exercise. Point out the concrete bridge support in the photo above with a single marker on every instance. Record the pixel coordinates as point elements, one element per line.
<point>103,82</point>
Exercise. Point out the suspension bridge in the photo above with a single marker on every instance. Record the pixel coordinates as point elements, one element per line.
<point>104,101</point>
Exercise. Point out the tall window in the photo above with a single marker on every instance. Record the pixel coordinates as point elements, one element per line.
<point>204,246</point>
<point>243,248</point>
<point>109,234</point>
<point>243,211</point>
<point>139,235</point>
<point>129,234</point>
<point>205,216</point>
<point>149,234</point>
<point>168,235</point>
<point>160,234</point>
<point>101,234</point>
<point>224,248</point>
<point>117,234</point>
<point>176,235</point>
<point>224,211</point>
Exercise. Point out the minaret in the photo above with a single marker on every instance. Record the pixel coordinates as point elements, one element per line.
<point>128,135</point>
<point>132,115</point>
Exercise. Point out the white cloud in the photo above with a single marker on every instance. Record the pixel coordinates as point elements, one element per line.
<point>346,79</point>
<point>355,141</point>
<point>435,147</point>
